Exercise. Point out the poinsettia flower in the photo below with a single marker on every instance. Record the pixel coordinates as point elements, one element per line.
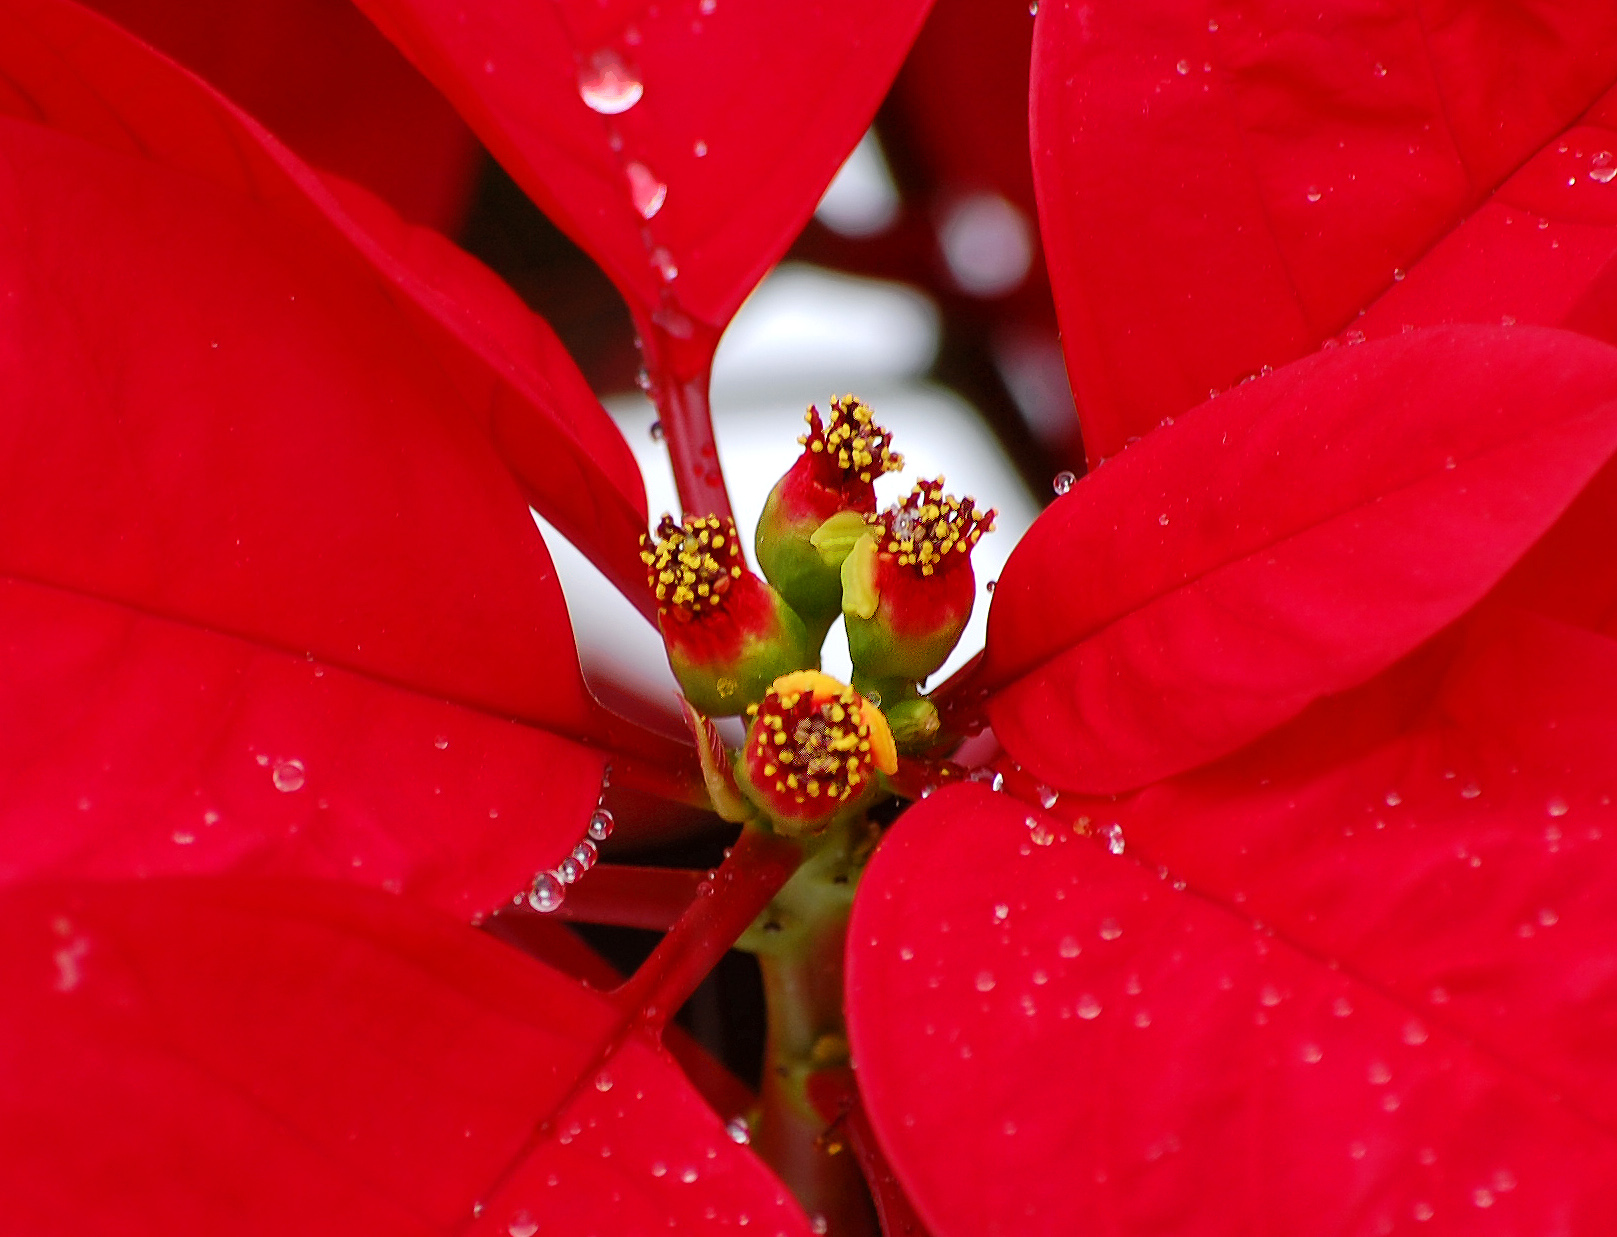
<point>1224,901</point>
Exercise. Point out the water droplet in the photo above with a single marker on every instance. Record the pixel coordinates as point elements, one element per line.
<point>1109,930</point>
<point>1069,947</point>
<point>1163,519</point>
<point>1547,918</point>
<point>1212,25</point>
<point>1040,833</point>
<point>984,981</point>
<point>522,1225</point>
<point>1470,790</point>
<point>1313,194</point>
<point>688,1176</point>
<point>585,854</point>
<point>184,837</point>
<point>1062,482</point>
<point>1357,1151</point>
<point>1114,838</point>
<point>708,7</point>
<point>603,1081</point>
<point>657,431</point>
<point>1142,1018</point>
<point>646,192</point>
<point>1422,1212</point>
<point>1313,1054</point>
<point>600,825</point>
<point>1557,806</point>
<point>1394,798</point>
<point>738,1130</point>
<point>1002,912</point>
<point>664,262</point>
<point>1482,1196</point>
<point>607,85</point>
<point>1269,995</point>
<point>1378,1073</point>
<point>659,1169</point>
<point>1504,1181</point>
<point>1380,70</point>
<point>288,775</point>
<point>1047,797</point>
<point>1398,274</point>
<point>1603,175</point>
<point>991,586</point>
<point>700,149</point>
<point>546,892</point>
<point>1088,1008</point>
<point>819,1224</point>
<point>1438,996</point>
<point>569,870</point>
<point>1415,1033</point>
<point>1182,68</point>
<point>210,817</point>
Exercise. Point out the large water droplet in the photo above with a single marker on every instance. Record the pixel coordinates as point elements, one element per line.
<point>522,1225</point>
<point>1069,947</point>
<point>585,854</point>
<point>607,85</point>
<point>738,1130</point>
<point>1482,1196</point>
<point>569,870</point>
<point>1313,194</point>
<point>546,892</point>
<point>288,775</point>
<point>1110,930</point>
<point>1062,482</point>
<point>1557,806</point>
<point>1088,1007</point>
<point>646,192</point>
<point>985,981</point>
<point>601,825</point>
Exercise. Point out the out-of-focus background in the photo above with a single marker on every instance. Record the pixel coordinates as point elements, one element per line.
<point>918,285</point>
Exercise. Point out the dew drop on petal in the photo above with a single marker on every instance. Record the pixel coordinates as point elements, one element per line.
<point>1556,806</point>
<point>1114,838</point>
<point>546,892</point>
<point>1415,1033</point>
<point>1422,1212</point>
<point>600,825</point>
<point>1069,947</point>
<point>1378,1073</point>
<point>1312,1053</point>
<point>585,855</point>
<point>1062,482</point>
<point>646,192</point>
<point>1088,1007</point>
<point>1110,930</point>
<point>1470,791</point>
<point>738,1130</point>
<point>607,85</point>
<point>288,775</point>
<point>1313,194</point>
<point>985,981</point>
<point>522,1225</point>
<point>569,870</point>
<point>1482,1196</point>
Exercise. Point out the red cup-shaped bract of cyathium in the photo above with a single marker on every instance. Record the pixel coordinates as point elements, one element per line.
<point>728,633</point>
<point>908,587</point>
<point>803,533</point>
<point>813,750</point>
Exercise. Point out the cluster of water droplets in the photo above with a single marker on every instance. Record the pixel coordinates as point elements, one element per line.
<point>549,888</point>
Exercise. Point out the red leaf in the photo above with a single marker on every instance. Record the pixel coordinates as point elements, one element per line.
<point>226,449</point>
<point>272,1058</point>
<point>1223,189</point>
<point>716,125</point>
<point>65,68</point>
<point>1350,981</point>
<point>318,75</point>
<point>1282,543</point>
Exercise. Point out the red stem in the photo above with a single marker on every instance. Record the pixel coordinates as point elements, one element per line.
<point>680,364</point>
<point>753,873</point>
<point>627,896</point>
<point>836,1096</point>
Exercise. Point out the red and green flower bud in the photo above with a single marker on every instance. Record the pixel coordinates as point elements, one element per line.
<point>813,753</point>
<point>727,633</point>
<point>836,473</point>
<point>908,587</point>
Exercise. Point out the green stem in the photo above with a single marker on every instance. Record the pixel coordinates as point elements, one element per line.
<point>799,940</point>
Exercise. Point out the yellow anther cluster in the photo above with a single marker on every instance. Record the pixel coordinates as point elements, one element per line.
<point>922,532</point>
<point>817,740</point>
<point>690,565</point>
<point>852,439</point>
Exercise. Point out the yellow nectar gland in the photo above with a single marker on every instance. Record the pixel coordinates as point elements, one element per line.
<point>691,565</point>
<point>929,526</point>
<point>851,439</point>
<point>814,741</point>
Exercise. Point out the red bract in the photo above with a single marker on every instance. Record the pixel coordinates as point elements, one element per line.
<point>375,1068</point>
<point>222,592</point>
<point>681,145</point>
<point>1260,175</point>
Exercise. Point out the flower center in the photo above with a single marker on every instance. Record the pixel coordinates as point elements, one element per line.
<point>691,564</point>
<point>815,738</point>
<point>851,440</point>
<point>929,525</point>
